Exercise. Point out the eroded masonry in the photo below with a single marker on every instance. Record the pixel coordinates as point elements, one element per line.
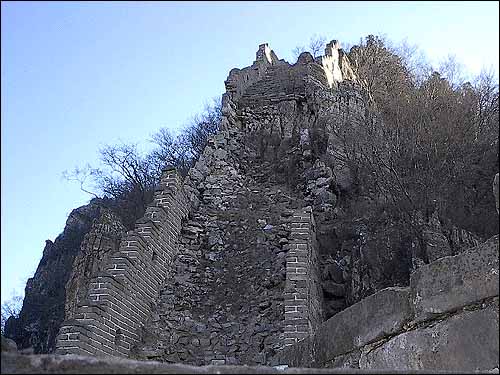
<point>245,260</point>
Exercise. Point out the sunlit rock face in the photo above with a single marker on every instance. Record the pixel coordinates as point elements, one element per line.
<point>330,63</point>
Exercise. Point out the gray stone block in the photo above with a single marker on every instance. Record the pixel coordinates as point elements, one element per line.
<point>346,361</point>
<point>464,342</point>
<point>378,315</point>
<point>8,345</point>
<point>297,355</point>
<point>452,282</point>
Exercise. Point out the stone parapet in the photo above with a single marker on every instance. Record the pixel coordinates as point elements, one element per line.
<point>274,78</point>
<point>240,79</point>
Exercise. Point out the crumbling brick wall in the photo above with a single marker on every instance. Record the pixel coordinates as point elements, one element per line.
<point>257,98</point>
<point>109,320</point>
<point>303,297</point>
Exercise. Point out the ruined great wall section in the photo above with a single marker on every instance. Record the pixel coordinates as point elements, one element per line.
<point>107,321</point>
<point>164,255</point>
<point>236,263</point>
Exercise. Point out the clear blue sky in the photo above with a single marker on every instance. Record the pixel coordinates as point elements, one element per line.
<point>77,75</point>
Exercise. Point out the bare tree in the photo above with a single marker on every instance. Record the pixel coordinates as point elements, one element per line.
<point>11,308</point>
<point>346,46</point>
<point>185,149</point>
<point>82,176</point>
<point>317,45</point>
<point>414,60</point>
<point>201,127</point>
<point>381,71</point>
<point>485,88</point>
<point>124,169</point>
<point>128,177</point>
<point>453,71</point>
<point>424,138</point>
<point>170,151</point>
<point>297,51</point>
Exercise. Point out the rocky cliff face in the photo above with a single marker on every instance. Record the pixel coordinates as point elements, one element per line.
<point>44,303</point>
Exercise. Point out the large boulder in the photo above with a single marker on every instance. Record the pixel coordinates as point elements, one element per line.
<point>8,345</point>
<point>467,341</point>
<point>376,316</point>
<point>455,281</point>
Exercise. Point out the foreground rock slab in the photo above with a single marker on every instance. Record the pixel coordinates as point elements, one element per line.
<point>15,363</point>
<point>376,316</point>
<point>464,341</point>
<point>475,277</point>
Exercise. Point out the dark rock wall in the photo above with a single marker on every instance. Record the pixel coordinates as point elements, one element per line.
<point>43,307</point>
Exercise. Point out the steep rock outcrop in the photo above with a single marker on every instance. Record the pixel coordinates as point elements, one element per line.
<point>44,303</point>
